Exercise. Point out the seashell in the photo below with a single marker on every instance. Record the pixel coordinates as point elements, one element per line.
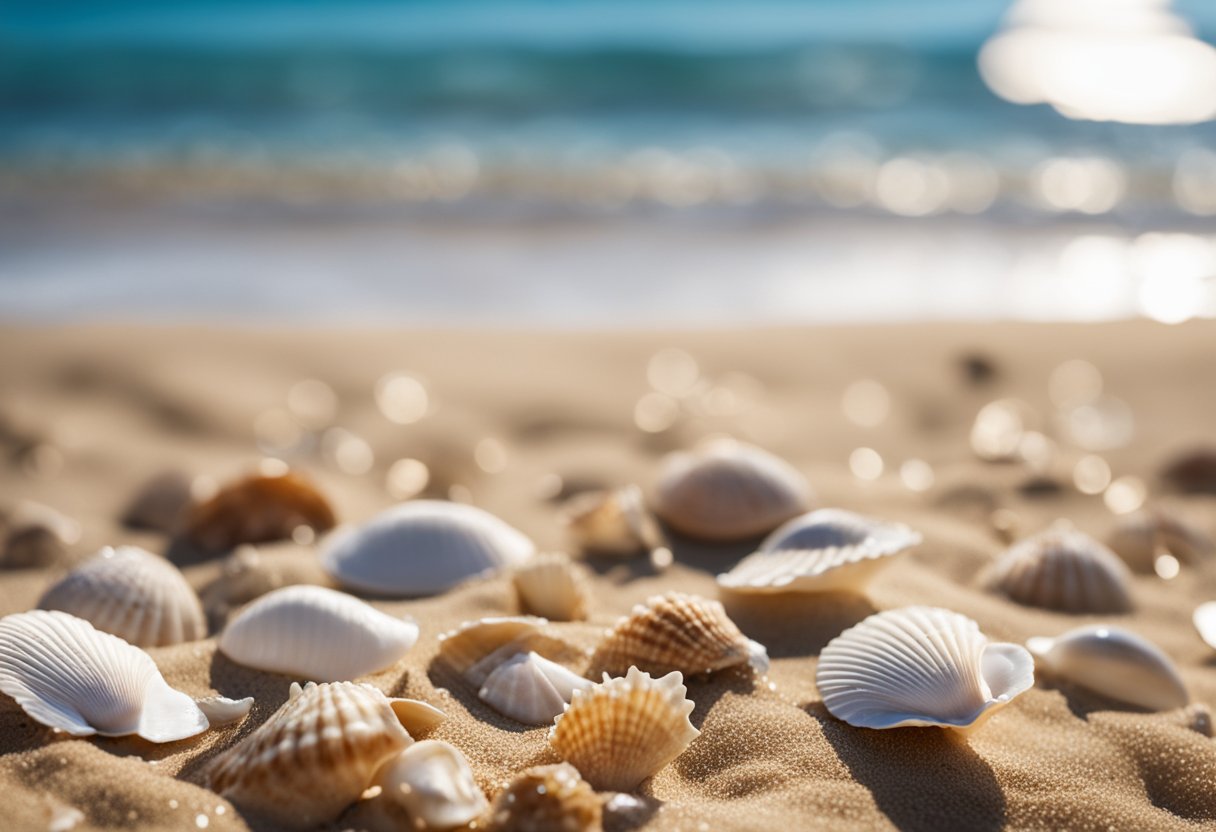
<point>317,633</point>
<point>1139,538</point>
<point>673,632</point>
<point>530,689</point>
<point>319,752</point>
<point>1193,471</point>
<point>919,666</point>
<point>475,649</point>
<point>728,491</point>
<point>1063,569</point>
<point>429,785</point>
<point>252,571</point>
<point>1115,663</point>
<point>552,587</point>
<point>136,595</point>
<point>423,547</point>
<point>38,535</point>
<point>614,523</point>
<point>622,731</point>
<point>547,799</point>
<point>822,551</point>
<point>161,503</point>
<point>71,677</point>
<point>257,509</point>
<point>1204,619</point>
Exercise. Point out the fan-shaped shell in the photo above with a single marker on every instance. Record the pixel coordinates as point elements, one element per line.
<point>547,799</point>
<point>319,752</point>
<point>136,595</point>
<point>1140,537</point>
<point>919,666</point>
<point>612,523</point>
<point>427,786</point>
<point>728,491</point>
<point>531,689</point>
<point>475,649</point>
<point>822,551</point>
<point>622,731</point>
<point>317,633</point>
<point>552,587</point>
<point>423,547</point>
<point>257,509</point>
<point>1063,569</point>
<point>1115,663</point>
<point>37,535</point>
<point>74,678</point>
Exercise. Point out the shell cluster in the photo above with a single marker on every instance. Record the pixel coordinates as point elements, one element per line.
<point>1063,569</point>
<point>552,798</point>
<point>552,587</point>
<point>614,523</point>
<point>258,509</point>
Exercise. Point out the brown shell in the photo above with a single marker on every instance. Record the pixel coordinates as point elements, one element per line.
<point>552,587</point>
<point>257,509</point>
<point>1063,569</point>
<point>612,523</point>
<point>1193,471</point>
<point>1140,537</point>
<point>547,799</point>
<point>475,649</point>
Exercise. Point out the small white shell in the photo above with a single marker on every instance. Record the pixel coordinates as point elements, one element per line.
<point>531,689</point>
<point>1063,569</point>
<point>317,633</point>
<point>1115,663</point>
<point>133,594</point>
<point>423,547</point>
<point>428,786</point>
<point>1204,618</point>
<point>919,666</point>
<point>822,551</point>
<point>552,587</point>
<point>612,523</point>
<point>74,678</point>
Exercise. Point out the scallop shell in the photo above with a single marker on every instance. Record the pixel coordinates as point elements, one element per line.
<point>1140,537</point>
<point>1063,569</point>
<point>624,730</point>
<point>1204,618</point>
<point>71,677</point>
<point>673,632</point>
<point>317,633</point>
<point>531,689</point>
<point>423,547</point>
<point>475,649</point>
<point>428,786</point>
<point>161,502</point>
<point>136,595</point>
<point>319,752</point>
<point>257,509</point>
<point>919,666</point>
<point>37,535</point>
<point>547,799</point>
<point>728,491</point>
<point>822,551</point>
<point>612,523</point>
<point>552,587</point>
<point>1115,663</point>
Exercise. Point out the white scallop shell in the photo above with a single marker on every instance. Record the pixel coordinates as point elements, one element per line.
<point>551,586</point>
<point>423,547</point>
<point>821,551</point>
<point>531,689</point>
<point>1115,663</point>
<point>919,666</point>
<point>70,676</point>
<point>1204,618</point>
<point>133,594</point>
<point>1066,570</point>
<point>429,786</point>
<point>318,633</point>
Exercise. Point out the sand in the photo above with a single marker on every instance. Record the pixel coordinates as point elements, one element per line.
<point>117,405</point>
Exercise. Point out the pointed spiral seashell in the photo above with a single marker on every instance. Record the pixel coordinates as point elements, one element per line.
<point>552,798</point>
<point>612,523</point>
<point>552,587</point>
<point>827,550</point>
<point>429,785</point>
<point>423,547</point>
<point>1063,569</point>
<point>319,752</point>
<point>922,666</point>
<point>531,689</point>
<point>258,509</point>
<point>317,633</point>
<point>728,491</point>
<point>475,649</point>
<point>624,730</point>
<point>1140,537</point>
<point>670,632</point>
<point>133,594</point>
<point>1113,662</point>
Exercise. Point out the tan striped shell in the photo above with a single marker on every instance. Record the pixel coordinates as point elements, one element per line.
<point>475,649</point>
<point>547,799</point>
<point>1063,569</point>
<point>552,587</point>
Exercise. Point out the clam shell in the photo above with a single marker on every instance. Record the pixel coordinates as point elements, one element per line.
<point>552,587</point>
<point>258,509</point>
<point>624,730</point>
<point>37,535</point>
<point>1140,537</point>
<point>1204,618</point>
<point>1115,663</point>
<point>822,551</point>
<point>670,632</point>
<point>71,677</point>
<point>547,799</point>
<point>423,547</point>
<point>318,753</point>
<point>316,633</point>
<point>475,649</point>
<point>530,689</point>
<point>919,666</point>
<point>161,502</point>
<point>136,595</point>
<point>612,523</point>
<point>728,491</point>
<point>1063,569</point>
<point>428,786</point>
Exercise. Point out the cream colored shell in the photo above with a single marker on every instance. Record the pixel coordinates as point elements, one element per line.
<point>475,649</point>
<point>1063,569</point>
<point>552,587</point>
<point>1139,538</point>
<point>612,523</point>
<point>531,689</point>
<point>429,785</point>
<point>547,799</point>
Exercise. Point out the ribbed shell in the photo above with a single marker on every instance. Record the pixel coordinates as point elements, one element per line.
<point>670,632</point>
<point>822,551</point>
<point>531,689</point>
<point>475,649</point>
<point>919,666</point>
<point>1063,569</point>
<point>258,509</point>
<point>1116,663</point>
<point>136,595</point>
<point>428,786</point>
<point>317,633</point>
<point>1140,537</point>
<point>611,523</point>
<point>547,799</point>
<point>552,587</point>
<point>423,547</point>
<point>728,491</point>
<point>624,730</point>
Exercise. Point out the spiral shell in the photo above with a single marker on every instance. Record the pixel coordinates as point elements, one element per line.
<point>257,509</point>
<point>547,799</point>
<point>1063,569</point>
<point>475,649</point>
<point>429,785</point>
<point>612,523</point>
<point>552,587</point>
<point>1140,537</point>
<point>530,689</point>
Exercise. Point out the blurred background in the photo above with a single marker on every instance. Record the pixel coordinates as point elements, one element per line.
<point>607,162</point>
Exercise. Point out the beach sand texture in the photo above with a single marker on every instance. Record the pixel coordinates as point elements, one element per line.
<point>116,405</point>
